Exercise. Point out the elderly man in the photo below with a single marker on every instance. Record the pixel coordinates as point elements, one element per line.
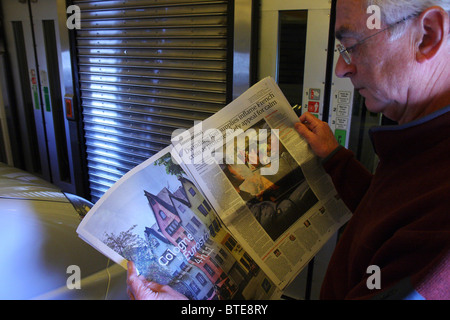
<point>400,225</point>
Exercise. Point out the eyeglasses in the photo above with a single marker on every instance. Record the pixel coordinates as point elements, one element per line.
<point>345,52</point>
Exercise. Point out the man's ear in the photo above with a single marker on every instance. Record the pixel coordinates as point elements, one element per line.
<point>434,32</point>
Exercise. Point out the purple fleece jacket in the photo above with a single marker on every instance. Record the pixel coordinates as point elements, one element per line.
<point>401,215</point>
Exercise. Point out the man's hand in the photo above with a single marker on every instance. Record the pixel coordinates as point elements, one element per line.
<point>138,288</point>
<point>318,134</point>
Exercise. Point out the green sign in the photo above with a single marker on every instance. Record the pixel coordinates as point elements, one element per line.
<point>47,99</point>
<point>36,96</point>
<point>341,136</point>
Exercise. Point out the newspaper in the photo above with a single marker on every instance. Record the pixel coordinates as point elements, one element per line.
<point>235,208</point>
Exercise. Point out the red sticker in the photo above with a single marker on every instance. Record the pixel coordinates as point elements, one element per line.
<point>313,106</point>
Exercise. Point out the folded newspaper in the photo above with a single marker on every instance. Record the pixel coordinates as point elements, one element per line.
<point>234,208</point>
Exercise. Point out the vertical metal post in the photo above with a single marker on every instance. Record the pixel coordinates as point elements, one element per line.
<point>243,45</point>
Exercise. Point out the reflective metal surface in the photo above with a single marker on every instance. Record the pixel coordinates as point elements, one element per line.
<point>146,68</point>
<point>37,43</point>
<point>242,51</point>
<point>39,242</point>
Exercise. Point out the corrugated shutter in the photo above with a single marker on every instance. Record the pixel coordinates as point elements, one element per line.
<point>146,68</point>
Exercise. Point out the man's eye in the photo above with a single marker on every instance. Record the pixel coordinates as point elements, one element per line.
<point>351,49</point>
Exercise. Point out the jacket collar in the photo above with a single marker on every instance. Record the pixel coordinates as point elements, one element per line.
<point>412,137</point>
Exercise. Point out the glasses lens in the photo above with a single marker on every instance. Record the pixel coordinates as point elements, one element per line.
<point>344,53</point>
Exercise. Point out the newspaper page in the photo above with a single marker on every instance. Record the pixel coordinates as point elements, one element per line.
<point>264,182</point>
<point>156,216</point>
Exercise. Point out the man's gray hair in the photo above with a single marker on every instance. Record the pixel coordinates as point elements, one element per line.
<point>393,11</point>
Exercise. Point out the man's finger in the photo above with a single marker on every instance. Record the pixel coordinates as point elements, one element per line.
<point>304,131</point>
<point>310,121</point>
<point>130,294</point>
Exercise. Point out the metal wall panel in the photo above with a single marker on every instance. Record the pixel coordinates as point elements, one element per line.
<point>146,68</point>
<point>37,47</point>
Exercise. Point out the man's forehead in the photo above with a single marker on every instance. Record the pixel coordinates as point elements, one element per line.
<point>350,18</point>
<point>351,6</point>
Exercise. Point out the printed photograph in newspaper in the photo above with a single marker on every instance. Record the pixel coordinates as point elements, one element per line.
<point>276,200</point>
<point>161,221</point>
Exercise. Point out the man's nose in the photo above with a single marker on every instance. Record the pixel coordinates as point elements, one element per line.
<point>344,70</point>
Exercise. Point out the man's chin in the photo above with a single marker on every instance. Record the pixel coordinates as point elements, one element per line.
<point>375,106</point>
